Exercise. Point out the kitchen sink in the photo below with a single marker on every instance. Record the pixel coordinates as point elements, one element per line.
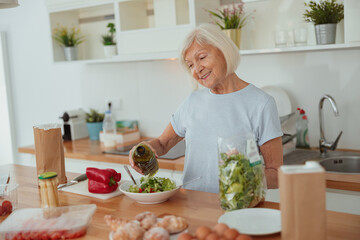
<point>343,164</point>
<point>332,161</point>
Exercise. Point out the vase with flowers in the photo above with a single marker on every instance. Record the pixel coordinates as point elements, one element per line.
<point>231,19</point>
<point>325,15</point>
<point>69,38</point>
<point>108,41</point>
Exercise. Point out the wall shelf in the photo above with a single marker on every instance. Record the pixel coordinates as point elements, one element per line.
<point>300,49</point>
<point>174,55</point>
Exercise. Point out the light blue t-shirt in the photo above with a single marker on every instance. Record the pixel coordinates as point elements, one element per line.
<point>205,116</point>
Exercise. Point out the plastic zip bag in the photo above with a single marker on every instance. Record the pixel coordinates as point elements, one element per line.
<point>242,182</point>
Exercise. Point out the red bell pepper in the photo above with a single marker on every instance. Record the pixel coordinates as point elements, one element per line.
<point>102,180</point>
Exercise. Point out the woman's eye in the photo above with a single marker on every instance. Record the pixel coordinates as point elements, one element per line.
<point>202,57</point>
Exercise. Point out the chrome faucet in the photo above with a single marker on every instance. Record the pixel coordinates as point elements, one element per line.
<point>323,144</point>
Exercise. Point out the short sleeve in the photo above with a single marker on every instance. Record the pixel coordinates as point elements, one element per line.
<point>269,124</point>
<point>178,119</point>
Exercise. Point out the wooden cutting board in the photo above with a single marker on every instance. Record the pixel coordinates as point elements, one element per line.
<point>82,189</point>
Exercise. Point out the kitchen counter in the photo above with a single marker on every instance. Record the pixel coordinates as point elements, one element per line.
<point>90,150</point>
<point>198,208</point>
<point>86,149</point>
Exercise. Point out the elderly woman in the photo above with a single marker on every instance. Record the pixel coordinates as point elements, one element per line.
<point>228,106</point>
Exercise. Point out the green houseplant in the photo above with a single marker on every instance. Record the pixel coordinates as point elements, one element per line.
<point>231,20</point>
<point>69,38</point>
<point>325,15</point>
<point>108,41</point>
<point>94,121</point>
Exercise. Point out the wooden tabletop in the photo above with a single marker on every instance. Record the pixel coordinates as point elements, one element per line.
<point>87,149</point>
<point>198,208</point>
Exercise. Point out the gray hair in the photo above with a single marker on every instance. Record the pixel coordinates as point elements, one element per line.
<point>210,34</point>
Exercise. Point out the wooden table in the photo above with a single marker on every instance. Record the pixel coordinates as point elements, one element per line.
<point>87,149</point>
<point>199,208</point>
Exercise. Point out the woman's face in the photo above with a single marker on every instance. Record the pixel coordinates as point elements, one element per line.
<point>207,64</point>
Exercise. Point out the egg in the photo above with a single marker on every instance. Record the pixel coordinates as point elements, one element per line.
<point>202,232</point>
<point>243,237</point>
<point>220,228</point>
<point>185,236</point>
<point>231,234</point>
<point>212,236</point>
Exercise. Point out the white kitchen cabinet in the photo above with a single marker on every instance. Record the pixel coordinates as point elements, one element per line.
<point>145,29</point>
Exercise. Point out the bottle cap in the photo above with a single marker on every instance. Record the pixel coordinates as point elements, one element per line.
<point>140,150</point>
<point>47,175</point>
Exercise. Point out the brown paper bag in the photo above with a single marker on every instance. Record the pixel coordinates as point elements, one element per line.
<point>49,150</point>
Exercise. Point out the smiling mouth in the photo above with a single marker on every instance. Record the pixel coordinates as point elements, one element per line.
<point>205,76</point>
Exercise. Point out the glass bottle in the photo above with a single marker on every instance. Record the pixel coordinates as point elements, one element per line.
<point>145,159</point>
<point>109,123</point>
<point>48,183</point>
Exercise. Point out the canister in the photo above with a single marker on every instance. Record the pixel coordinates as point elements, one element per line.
<point>303,201</point>
<point>48,182</point>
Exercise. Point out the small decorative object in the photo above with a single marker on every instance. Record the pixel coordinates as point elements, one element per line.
<point>325,15</point>
<point>69,39</point>
<point>231,20</point>
<point>109,42</point>
<point>94,121</point>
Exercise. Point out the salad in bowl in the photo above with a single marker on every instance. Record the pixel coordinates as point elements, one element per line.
<point>150,190</point>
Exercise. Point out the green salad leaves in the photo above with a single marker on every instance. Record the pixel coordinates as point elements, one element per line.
<point>150,184</point>
<point>241,184</point>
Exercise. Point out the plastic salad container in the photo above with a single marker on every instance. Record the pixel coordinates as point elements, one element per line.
<point>47,223</point>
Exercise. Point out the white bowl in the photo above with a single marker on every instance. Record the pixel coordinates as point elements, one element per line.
<point>148,198</point>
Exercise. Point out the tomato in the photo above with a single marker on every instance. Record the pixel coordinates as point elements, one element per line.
<point>140,190</point>
<point>7,206</point>
<point>55,235</point>
<point>71,234</point>
<point>1,211</point>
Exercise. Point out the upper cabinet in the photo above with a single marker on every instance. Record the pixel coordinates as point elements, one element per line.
<point>145,29</point>
<point>154,29</point>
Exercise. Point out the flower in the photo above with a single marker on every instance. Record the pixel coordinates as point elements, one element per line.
<point>232,17</point>
<point>67,37</point>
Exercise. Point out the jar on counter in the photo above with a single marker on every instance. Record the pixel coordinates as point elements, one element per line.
<point>48,183</point>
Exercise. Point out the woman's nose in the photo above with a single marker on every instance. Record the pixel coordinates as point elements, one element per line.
<point>198,68</point>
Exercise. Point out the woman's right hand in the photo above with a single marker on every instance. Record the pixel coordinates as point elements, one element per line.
<point>132,163</point>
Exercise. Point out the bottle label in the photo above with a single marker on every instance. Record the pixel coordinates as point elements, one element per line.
<point>149,167</point>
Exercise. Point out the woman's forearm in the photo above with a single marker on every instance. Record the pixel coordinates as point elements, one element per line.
<point>273,157</point>
<point>165,142</point>
<point>271,178</point>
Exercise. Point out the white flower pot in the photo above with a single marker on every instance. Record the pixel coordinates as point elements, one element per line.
<point>70,53</point>
<point>110,51</point>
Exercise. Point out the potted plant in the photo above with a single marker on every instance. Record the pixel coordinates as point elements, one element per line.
<point>94,121</point>
<point>69,39</point>
<point>325,15</point>
<point>109,41</point>
<point>231,20</point>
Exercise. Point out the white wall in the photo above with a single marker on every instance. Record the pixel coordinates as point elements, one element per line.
<point>151,91</point>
